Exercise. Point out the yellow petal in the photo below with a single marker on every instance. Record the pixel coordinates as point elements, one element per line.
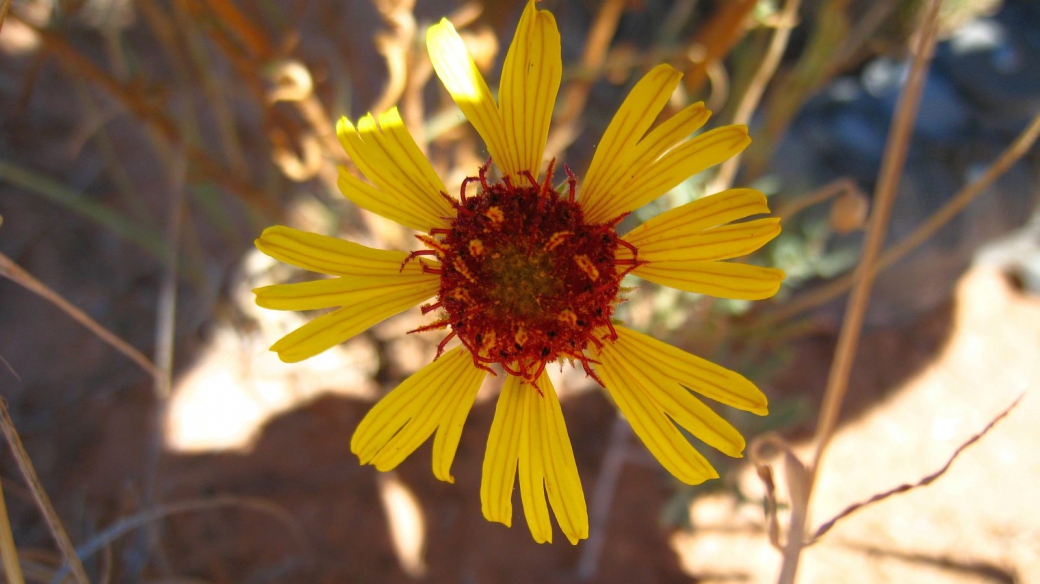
<point>502,454</point>
<point>642,184</point>
<point>329,255</point>
<point>530,81</point>
<point>720,279</point>
<point>699,375</point>
<point>529,431</point>
<point>562,483</point>
<point>532,473</point>
<point>436,398</point>
<point>337,291</point>
<point>611,160</point>
<point>654,428</point>
<point>704,213</point>
<point>669,133</point>
<point>388,156</point>
<point>467,87</point>
<point>720,243</point>
<point>338,326</point>
<point>685,410</point>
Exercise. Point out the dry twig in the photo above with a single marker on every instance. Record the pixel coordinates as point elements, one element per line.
<point>13,271</point>
<point>21,457</point>
<point>927,480</point>
<point>888,181</point>
<point>934,223</point>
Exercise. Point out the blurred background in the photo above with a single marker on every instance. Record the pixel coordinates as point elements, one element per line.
<point>144,144</point>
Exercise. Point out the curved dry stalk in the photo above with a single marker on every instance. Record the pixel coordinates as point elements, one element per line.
<point>927,480</point>
<point>848,339</point>
<point>753,95</point>
<point>922,233</point>
<point>124,526</point>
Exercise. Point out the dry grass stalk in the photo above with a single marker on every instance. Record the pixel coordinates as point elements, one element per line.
<point>146,517</point>
<point>8,551</point>
<point>835,288</point>
<point>757,87</point>
<point>848,339</point>
<point>927,480</point>
<point>14,272</point>
<point>21,457</point>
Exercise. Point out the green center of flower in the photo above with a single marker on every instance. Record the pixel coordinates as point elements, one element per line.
<point>525,280</point>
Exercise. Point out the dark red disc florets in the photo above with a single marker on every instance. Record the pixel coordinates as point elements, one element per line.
<point>525,280</point>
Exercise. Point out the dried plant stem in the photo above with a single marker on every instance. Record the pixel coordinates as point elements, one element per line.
<point>602,499</point>
<point>145,109</point>
<point>148,516</point>
<point>884,196</point>
<point>821,195</point>
<point>927,480</point>
<point>848,339</point>
<point>4,5</point>
<point>13,271</point>
<point>8,551</point>
<point>757,87</point>
<point>934,223</point>
<point>593,58</point>
<point>21,457</point>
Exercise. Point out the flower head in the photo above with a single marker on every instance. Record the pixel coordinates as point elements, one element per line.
<point>524,274</point>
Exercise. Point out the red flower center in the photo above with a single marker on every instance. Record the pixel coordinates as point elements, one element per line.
<point>525,280</point>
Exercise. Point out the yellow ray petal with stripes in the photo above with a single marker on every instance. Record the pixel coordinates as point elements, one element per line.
<point>330,255</point>
<point>462,79</point>
<point>631,121</point>
<point>719,243</point>
<point>530,81</point>
<point>672,365</point>
<point>646,183</point>
<point>719,279</point>
<point>406,188</point>
<point>705,213</point>
<point>529,432</point>
<point>438,399</point>
<point>329,330</point>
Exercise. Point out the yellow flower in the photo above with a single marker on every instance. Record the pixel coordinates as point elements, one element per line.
<point>524,275</point>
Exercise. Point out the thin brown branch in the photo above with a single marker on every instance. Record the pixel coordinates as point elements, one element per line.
<point>129,524</point>
<point>757,87</point>
<point>927,480</point>
<point>8,551</point>
<point>936,221</point>
<point>16,273</point>
<point>133,99</point>
<point>21,457</point>
<point>848,339</point>
<point>576,94</point>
